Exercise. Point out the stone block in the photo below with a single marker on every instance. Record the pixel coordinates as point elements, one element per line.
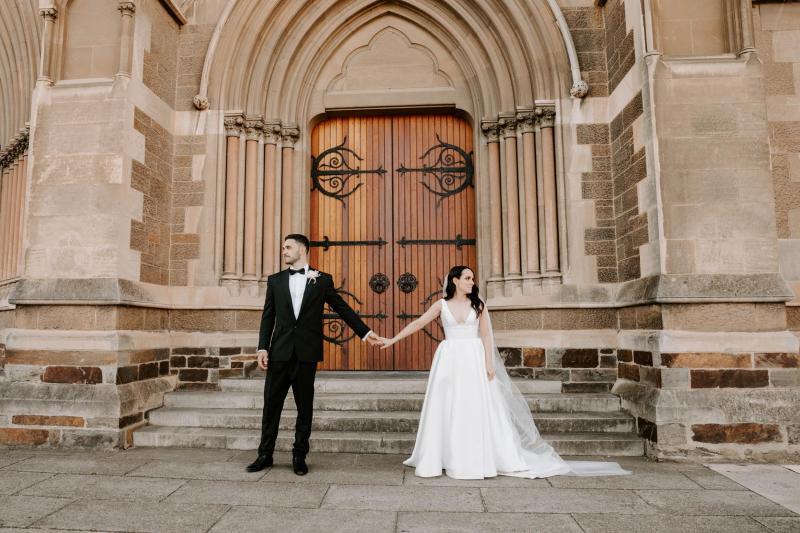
<point>793,433</point>
<point>198,361</point>
<point>702,379</point>
<point>511,356</point>
<point>177,361</point>
<point>148,370</point>
<point>643,358</point>
<point>23,436</point>
<point>675,378</point>
<point>580,358</point>
<point>625,356</point>
<point>72,374</point>
<point>533,357</point>
<point>784,377</point>
<point>527,373</point>
<point>551,374</point>
<point>43,420</point>
<point>235,350</point>
<point>593,375</point>
<point>650,376</point>
<point>706,360</point>
<point>646,429</point>
<point>777,360</point>
<point>592,133</point>
<point>193,374</point>
<point>608,361</point>
<point>746,433</point>
<point>127,374</point>
<point>628,371</point>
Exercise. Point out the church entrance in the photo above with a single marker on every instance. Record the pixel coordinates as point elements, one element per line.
<point>392,209</point>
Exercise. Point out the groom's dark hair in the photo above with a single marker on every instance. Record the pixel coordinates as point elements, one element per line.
<point>299,237</point>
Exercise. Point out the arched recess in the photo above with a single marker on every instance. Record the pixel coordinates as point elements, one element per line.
<point>20,37</point>
<point>508,68</point>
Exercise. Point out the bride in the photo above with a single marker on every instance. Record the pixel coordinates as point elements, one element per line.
<point>475,423</point>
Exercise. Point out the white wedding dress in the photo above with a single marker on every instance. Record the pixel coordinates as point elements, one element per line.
<point>472,428</point>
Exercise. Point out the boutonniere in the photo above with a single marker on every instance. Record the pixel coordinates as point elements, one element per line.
<point>312,276</point>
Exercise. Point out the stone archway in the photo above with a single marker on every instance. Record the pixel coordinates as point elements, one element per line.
<point>505,67</point>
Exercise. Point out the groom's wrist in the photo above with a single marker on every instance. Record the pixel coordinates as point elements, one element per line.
<point>365,337</point>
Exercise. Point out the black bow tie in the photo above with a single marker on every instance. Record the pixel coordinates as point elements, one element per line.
<point>298,271</point>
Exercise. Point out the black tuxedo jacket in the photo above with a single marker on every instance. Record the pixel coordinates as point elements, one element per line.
<point>281,334</point>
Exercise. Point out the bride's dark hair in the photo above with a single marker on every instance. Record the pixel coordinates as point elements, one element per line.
<point>450,288</point>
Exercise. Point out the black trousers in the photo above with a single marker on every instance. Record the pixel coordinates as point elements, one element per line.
<point>281,375</point>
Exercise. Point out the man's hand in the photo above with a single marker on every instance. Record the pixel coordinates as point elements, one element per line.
<point>375,340</point>
<point>262,359</point>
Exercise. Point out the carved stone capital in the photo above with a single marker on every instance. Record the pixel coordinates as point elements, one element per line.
<point>127,8</point>
<point>49,14</point>
<point>253,127</point>
<point>507,122</point>
<point>233,125</point>
<point>272,131</point>
<point>491,130</point>
<point>289,134</point>
<point>200,102</point>
<point>526,121</point>
<point>545,116</point>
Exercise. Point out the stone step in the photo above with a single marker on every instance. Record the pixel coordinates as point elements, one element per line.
<point>376,421</point>
<point>592,444</point>
<point>378,383</point>
<point>565,402</point>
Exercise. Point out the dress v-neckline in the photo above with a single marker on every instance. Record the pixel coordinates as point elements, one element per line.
<point>455,318</point>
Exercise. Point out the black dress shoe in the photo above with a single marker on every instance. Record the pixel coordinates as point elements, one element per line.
<point>263,461</point>
<point>299,465</point>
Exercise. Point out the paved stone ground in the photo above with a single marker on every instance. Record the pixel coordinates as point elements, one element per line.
<point>187,490</point>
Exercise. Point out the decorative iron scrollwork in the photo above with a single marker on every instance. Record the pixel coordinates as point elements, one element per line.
<point>326,243</point>
<point>332,170</point>
<point>333,326</point>
<point>452,169</point>
<point>459,241</point>
<point>407,282</point>
<point>379,282</point>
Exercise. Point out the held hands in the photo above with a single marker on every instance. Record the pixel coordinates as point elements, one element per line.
<point>375,340</point>
<point>387,342</point>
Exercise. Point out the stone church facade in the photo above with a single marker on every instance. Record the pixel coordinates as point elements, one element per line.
<point>623,176</point>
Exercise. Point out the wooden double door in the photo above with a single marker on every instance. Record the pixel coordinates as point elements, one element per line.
<point>392,209</point>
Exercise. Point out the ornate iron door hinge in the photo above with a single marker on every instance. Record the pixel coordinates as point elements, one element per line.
<point>332,177</point>
<point>459,241</point>
<point>326,243</point>
<point>452,169</point>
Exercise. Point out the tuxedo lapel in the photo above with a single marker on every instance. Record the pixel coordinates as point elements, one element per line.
<point>286,292</point>
<point>306,293</point>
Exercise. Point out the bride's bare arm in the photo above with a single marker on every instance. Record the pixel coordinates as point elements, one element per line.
<point>427,317</point>
<point>486,337</point>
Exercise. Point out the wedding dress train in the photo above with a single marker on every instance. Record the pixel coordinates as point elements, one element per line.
<point>473,428</point>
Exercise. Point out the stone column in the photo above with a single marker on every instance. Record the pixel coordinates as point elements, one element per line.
<point>48,15</point>
<point>272,133</point>
<point>746,17</point>
<point>126,41</point>
<point>5,219</point>
<point>253,127</point>
<point>508,125</point>
<point>492,132</point>
<point>546,117</point>
<point>289,134</point>
<point>233,128</point>
<point>527,123</point>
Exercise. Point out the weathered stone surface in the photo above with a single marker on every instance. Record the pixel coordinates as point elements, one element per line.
<point>533,357</point>
<point>647,429</point>
<point>711,503</point>
<point>777,360</point>
<point>563,501</point>
<point>279,520</point>
<point>580,358</point>
<point>628,371</point>
<point>706,360</point>
<point>72,374</point>
<point>22,511</point>
<point>729,378</point>
<point>25,437</point>
<point>736,433</point>
<point>511,356</point>
<point>42,420</point>
<point>417,499</point>
<point>127,374</point>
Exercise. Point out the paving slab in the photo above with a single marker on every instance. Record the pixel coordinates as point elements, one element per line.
<point>105,487</point>
<point>485,523</point>
<point>604,523</point>
<point>21,511</point>
<point>280,520</point>
<point>793,468</point>
<point>192,455</point>
<point>774,482</point>
<point>337,474</point>
<point>780,524</point>
<point>382,498</point>
<point>637,480</point>
<point>115,515</point>
<point>708,479</point>
<point>554,500</point>
<point>12,481</point>
<point>223,471</point>
<point>113,465</point>
<point>712,503</point>
<point>248,493</point>
<point>9,458</point>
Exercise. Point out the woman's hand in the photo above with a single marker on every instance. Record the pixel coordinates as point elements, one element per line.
<point>388,342</point>
<point>490,373</point>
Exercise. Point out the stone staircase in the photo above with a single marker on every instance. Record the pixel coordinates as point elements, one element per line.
<point>376,412</point>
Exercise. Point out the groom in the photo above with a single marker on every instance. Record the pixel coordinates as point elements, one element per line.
<point>290,345</point>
